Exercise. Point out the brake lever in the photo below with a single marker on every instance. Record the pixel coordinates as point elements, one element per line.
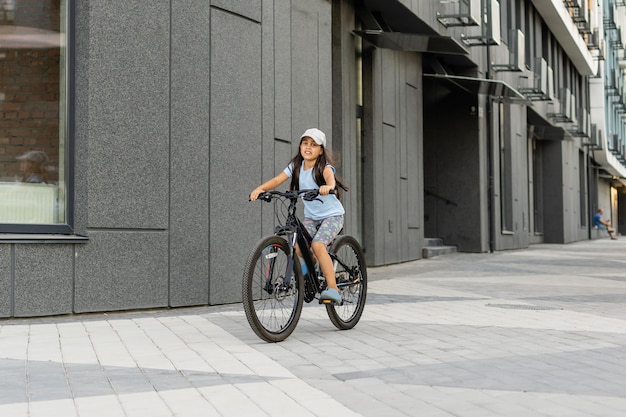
<point>310,196</point>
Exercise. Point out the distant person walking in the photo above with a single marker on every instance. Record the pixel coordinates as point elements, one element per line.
<point>602,224</point>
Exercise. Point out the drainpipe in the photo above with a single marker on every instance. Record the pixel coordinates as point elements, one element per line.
<point>490,159</point>
<point>589,204</point>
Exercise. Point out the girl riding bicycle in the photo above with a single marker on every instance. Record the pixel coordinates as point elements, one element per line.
<point>312,168</point>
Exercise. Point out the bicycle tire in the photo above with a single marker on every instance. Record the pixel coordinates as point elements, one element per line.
<point>347,315</point>
<point>272,306</point>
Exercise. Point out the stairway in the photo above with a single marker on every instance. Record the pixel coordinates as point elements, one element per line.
<point>435,247</point>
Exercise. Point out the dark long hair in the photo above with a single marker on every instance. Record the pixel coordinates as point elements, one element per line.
<point>326,158</point>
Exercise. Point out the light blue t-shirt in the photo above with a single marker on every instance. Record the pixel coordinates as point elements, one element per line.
<point>317,210</point>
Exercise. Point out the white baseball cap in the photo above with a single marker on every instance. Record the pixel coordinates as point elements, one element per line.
<point>317,135</point>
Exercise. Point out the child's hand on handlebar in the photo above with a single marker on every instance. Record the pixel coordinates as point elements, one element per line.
<point>255,193</point>
<point>325,189</point>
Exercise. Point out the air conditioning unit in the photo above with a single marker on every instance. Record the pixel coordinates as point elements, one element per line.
<point>616,42</point>
<point>475,9</point>
<point>613,142</point>
<point>571,110</point>
<point>493,21</point>
<point>595,38</point>
<point>490,29</point>
<point>460,13</point>
<point>621,58</point>
<point>593,136</point>
<point>542,85</point>
<point>517,53</point>
<point>596,141</point>
<point>582,128</point>
<point>584,124</point>
<point>602,49</point>
<point>550,81</point>
<point>567,104</point>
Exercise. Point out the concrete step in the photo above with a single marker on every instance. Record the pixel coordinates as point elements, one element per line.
<point>433,241</point>
<point>435,247</point>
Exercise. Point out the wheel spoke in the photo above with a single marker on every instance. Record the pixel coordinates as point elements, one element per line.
<point>272,308</point>
<point>352,282</point>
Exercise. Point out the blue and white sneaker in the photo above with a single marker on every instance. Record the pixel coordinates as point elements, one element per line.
<point>330,295</point>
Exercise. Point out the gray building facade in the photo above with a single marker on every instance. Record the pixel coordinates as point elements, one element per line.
<point>171,114</point>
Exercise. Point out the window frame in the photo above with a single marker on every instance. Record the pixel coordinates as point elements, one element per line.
<point>66,228</point>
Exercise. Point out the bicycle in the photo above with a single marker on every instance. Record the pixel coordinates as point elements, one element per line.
<point>275,288</point>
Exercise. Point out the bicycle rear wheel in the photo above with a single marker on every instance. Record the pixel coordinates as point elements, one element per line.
<point>272,305</point>
<point>351,275</point>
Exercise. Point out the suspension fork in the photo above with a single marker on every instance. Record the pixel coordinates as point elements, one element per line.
<point>290,263</point>
<point>269,273</point>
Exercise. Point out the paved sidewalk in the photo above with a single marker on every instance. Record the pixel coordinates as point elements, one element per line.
<point>537,332</point>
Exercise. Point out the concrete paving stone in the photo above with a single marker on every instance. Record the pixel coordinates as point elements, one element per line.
<point>273,401</point>
<point>229,401</point>
<point>538,331</point>
<point>581,405</point>
<point>99,406</point>
<point>261,365</point>
<point>188,403</point>
<point>46,381</point>
<point>356,399</point>
<point>55,408</point>
<point>144,404</point>
<point>87,380</point>
<point>16,409</point>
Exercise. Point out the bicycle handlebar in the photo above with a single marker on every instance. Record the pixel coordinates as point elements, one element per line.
<point>307,194</point>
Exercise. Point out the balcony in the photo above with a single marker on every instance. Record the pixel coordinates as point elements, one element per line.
<point>560,23</point>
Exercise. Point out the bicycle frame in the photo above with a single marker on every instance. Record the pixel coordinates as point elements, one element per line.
<point>298,236</point>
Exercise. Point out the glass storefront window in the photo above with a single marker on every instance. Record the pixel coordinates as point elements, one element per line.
<point>33,105</point>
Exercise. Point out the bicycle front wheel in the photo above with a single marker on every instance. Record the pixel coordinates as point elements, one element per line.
<point>272,303</point>
<point>351,276</point>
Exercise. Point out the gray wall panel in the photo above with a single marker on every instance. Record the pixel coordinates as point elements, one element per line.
<point>128,72</point>
<point>82,129</point>
<point>390,193</point>
<point>43,279</point>
<point>324,31</point>
<point>268,91</point>
<point>392,206</point>
<point>5,280</point>
<point>235,148</point>
<point>121,270</point>
<point>247,8</point>
<point>414,168</point>
<point>189,186</point>
<point>374,223</point>
<point>518,234</point>
<point>282,75</point>
<point>305,70</point>
<point>284,154</point>
<point>346,133</point>
<point>389,92</point>
<point>414,157</point>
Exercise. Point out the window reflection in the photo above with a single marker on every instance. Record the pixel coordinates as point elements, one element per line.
<point>32,106</point>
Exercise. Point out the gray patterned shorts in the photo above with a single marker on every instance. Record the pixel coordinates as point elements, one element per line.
<point>324,230</point>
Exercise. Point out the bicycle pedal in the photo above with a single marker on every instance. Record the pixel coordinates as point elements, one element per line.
<point>331,302</point>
